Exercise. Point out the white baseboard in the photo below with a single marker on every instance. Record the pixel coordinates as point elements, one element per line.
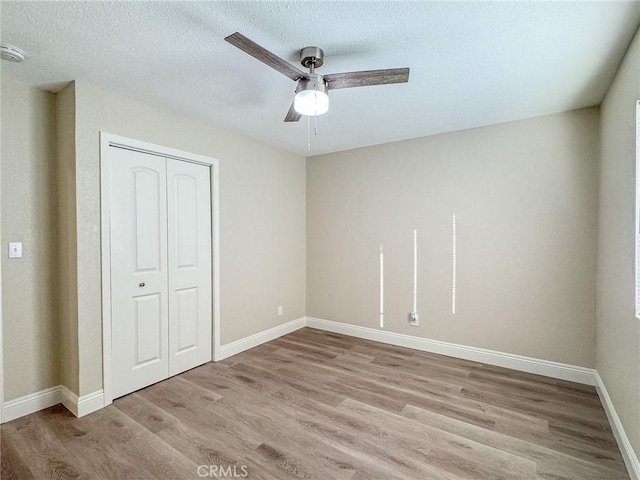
<point>84,405</point>
<point>30,403</point>
<point>37,401</point>
<point>246,343</point>
<point>490,357</point>
<point>629,456</point>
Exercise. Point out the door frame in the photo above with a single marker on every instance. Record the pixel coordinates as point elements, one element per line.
<point>108,141</point>
<point>1,343</point>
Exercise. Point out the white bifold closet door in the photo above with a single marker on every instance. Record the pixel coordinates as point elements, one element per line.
<point>160,221</point>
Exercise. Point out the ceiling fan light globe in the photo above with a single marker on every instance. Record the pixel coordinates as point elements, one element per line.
<point>311,103</point>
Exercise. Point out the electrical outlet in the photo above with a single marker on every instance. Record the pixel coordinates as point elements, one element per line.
<point>413,319</point>
<point>279,310</point>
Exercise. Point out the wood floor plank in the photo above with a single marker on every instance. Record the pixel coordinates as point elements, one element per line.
<point>315,391</point>
<point>330,428</point>
<point>12,465</point>
<point>147,414</point>
<point>463,455</point>
<point>285,426</point>
<point>577,448</point>
<point>550,463</point>
<point>40,450</point>
<point>201,450</point>
<point>156,457</point>
<point>318,405</point>
<point>439,399</point>
<point>329,338</point>
<point>87,448</point>
<point>489,395</point>
<point>225,432</point>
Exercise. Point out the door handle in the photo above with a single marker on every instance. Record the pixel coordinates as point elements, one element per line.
<point>142,284</point>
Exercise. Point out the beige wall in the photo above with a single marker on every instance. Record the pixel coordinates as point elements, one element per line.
<point>618,334</point>
<point>29,298</point>
<point>525,196</point>
<point>67,236</point>
<point>262,219</point>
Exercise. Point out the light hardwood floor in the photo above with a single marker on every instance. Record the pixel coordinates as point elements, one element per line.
<point>317,405</point>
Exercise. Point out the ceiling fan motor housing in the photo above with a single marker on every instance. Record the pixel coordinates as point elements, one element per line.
<point>311,56</point>
<point>314,82</point>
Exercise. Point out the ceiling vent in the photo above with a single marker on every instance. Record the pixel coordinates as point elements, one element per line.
<point>11,53</point>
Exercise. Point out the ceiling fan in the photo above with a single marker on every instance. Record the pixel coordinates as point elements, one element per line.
<point>312,92</point>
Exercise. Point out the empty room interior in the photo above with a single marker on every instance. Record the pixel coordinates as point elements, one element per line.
<point>320,240</point>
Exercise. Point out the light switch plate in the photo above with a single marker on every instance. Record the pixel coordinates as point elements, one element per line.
<point>15,249</point>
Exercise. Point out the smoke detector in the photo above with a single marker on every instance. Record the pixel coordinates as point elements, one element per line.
<point>11,53</point>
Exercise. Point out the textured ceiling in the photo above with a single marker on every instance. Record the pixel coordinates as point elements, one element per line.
<point>472,63</point>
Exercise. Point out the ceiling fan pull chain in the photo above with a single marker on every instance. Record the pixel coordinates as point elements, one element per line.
<point>315,126</point>
<point>308,134</point>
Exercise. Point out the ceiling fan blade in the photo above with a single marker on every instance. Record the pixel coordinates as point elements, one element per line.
<point>265,56</point>
<point>292,115</point>
<point>366,78</point>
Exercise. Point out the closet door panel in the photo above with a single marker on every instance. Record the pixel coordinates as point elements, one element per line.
<point>139,273</point>
<point>189,257</point>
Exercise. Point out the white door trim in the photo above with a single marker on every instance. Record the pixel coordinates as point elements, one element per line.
<point>1,350</point>
<point>107,141</point>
